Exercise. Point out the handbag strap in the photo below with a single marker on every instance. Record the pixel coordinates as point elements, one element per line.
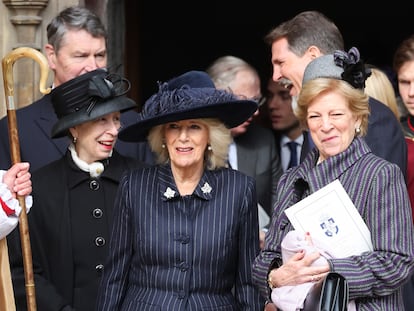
<point>334,293</point>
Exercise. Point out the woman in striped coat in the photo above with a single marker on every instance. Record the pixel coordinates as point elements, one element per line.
<point>334,108</point>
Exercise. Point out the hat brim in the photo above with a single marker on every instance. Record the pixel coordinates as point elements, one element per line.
<point>121,104</point>
<point>229,113</point>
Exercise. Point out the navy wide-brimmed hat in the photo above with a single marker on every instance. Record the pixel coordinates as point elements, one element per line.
<point>340,65</point>
<point>189,96</point>
<point>88,97</point>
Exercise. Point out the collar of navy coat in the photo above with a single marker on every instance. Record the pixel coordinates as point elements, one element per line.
<point>169,191</point>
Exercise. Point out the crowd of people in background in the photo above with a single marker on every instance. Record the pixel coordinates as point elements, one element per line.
<point>253,148</point>
<point>181,205</point>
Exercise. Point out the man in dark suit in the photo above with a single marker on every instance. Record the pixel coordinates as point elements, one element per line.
<point>310,34</point>
<point>285,125</point>
<point>256,156</point>
<point>253,151</point>
<point>76,45</point>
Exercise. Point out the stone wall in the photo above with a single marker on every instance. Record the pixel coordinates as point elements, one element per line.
<point>23,24</point>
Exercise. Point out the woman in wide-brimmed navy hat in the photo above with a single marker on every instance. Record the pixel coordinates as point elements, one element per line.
<point>73,197</point>
<point>186,230</point>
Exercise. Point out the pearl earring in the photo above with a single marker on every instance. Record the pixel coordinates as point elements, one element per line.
<point>209,148</point>
<point>163,146</point>
<point>357,130</point>
<point>75,140</point>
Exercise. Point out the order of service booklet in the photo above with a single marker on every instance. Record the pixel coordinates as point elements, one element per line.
<point>331,218</point>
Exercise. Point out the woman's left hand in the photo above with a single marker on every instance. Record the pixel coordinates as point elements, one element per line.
<point>298,270</point>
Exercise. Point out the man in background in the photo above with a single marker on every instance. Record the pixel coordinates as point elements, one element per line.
<point>253,150</point>
<point>76,44</point>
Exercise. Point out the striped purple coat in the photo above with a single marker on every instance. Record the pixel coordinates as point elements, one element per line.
<point>378,190</point>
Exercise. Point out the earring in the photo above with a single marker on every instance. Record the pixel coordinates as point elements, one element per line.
<point>163,146</point>
<point>209,148</point>
<point>357,130</point>
<point>75,140</point>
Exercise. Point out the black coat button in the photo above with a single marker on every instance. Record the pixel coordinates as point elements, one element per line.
<point>93,185</point>
<point>100,241</point>
<point>99,268</point>
<point>97,213</point>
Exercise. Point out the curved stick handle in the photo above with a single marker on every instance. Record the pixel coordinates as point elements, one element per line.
<point>9,60</point>
<point>7,64</point>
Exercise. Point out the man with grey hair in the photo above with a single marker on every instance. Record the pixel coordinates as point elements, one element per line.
<point>253,150</point>
<point>76,44</point>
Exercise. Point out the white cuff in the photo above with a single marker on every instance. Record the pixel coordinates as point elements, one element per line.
<point>11,202</point>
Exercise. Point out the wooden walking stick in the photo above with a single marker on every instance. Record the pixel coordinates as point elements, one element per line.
<point>7,64</point>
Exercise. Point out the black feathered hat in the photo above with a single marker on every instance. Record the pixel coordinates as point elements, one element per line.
<point>88,97</point>
<point>191,95</point>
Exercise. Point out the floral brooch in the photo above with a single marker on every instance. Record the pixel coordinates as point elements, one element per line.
<point>206,188</point>
<point>169,193</point>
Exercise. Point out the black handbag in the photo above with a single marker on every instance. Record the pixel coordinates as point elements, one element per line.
<point>331,294</point>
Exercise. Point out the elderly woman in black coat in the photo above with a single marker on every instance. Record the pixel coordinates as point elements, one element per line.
<point>74,196</point>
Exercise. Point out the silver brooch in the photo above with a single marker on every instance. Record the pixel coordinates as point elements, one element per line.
<point>169,193</point>
<point>206,188</point>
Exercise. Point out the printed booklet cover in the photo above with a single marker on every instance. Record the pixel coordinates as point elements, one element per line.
<point>332,220</point>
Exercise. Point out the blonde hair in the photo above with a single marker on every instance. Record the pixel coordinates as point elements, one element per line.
<point>219,138</point>
<point>357,100</point>
<point>379,86</point>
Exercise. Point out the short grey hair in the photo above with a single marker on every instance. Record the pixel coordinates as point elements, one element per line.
<point>74,18</point>
<point>224,69</point>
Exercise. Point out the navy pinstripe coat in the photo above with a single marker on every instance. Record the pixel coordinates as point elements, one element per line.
<point>377,189</point>
<point>182,253</point>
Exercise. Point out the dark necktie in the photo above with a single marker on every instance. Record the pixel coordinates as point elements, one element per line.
<point>293,154</point>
